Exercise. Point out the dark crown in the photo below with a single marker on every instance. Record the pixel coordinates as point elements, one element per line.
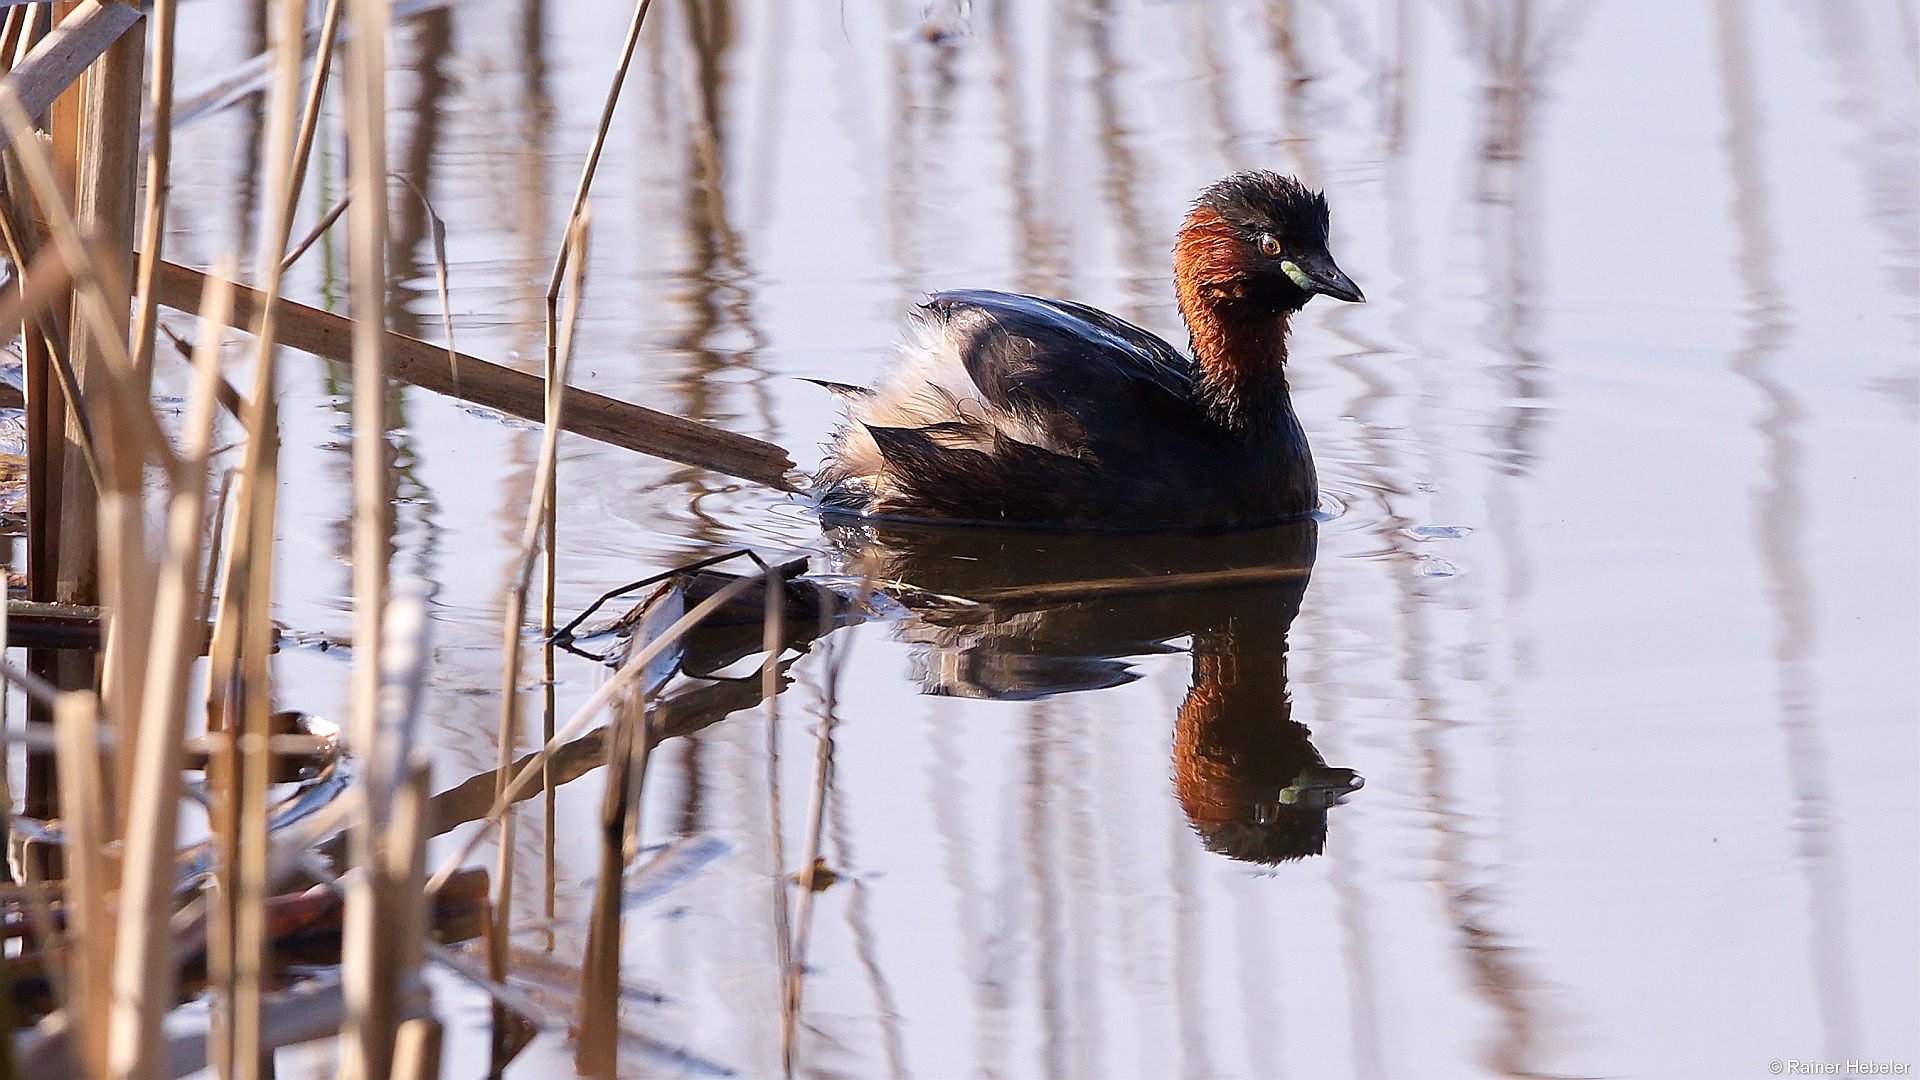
<point>1257,201</point>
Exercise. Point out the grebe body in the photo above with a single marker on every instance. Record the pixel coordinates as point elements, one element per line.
<point>1010,409</point>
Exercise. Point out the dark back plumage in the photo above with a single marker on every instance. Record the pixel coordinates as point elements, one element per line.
<point>1020,409</point>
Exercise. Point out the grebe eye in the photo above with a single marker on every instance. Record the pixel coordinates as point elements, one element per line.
<point>1269,246</point>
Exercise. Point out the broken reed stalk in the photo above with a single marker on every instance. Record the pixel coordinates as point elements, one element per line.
<point>437,240</point>
<point>314,234</point>
<point>423,364</point>
<point>371,970</point>
<point>546,479</point>
<point>159,187</point>
<point>629,672</point>
<point>144,976</point>
<point>575,215</point>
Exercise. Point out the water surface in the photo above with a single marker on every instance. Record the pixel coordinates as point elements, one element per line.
<point>1614,609</point>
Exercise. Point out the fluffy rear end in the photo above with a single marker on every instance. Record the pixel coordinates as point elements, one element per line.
<point>925,443</point>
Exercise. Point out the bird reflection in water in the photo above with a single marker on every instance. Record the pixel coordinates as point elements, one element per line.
<point>1024,615</point>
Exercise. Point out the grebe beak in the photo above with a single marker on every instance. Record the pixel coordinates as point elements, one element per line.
<point>1324,277</point>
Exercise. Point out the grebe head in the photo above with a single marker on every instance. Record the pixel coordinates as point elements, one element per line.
<point>1257,241</point>
<point>1252,252</point>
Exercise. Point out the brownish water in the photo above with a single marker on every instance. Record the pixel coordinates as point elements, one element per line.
<point>1614,610</point>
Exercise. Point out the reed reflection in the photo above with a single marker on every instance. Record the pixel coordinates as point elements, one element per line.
<point>1026,616</point>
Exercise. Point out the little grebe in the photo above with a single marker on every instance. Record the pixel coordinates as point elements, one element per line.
<point>1017,409</point>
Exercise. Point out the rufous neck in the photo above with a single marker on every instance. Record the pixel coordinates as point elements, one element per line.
<point>1238,340</point>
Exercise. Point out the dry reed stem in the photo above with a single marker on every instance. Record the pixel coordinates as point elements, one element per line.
<point>314,234</point>
<point>33,29</point>
<point>503,994</point>
<point>773,641</point>
<point>86,801</point>
<point>437,234</point>
<point>104,198</point>
<point>223,656</point>
<point>369,968</point>
<point>310,111</point>
<point>23,249</point>
<point>367,222</point>
<point>104,207</point>
<point>60,518</point>
<point>11,35</point>
<point>36,688</point>
<point>249,870</point>
<point>85,827</point>
<point>598,1022</point>
<point>248,777</point>
<point>809,863</point>
<point>94,305</point>
<point>224,393</point>
<point>159,187</point>
<point>539,510</point>
<point>625,677</point>
<point>593,159</point>
<point>587,171</point>
<point>423,364</point>
<point>628,751</point>
<point>216,533</point>
<point>575,219</point>
<point>416,1050</point>
<point>64,54</point>
<point>406,852</point>
<point>144,974</point>
<point>38,285</point>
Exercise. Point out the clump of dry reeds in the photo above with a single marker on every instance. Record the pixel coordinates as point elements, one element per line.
<point>121,923</point>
